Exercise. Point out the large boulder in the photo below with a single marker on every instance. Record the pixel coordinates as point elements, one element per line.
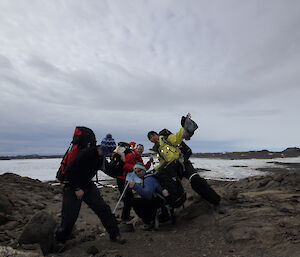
<point>40,230</point>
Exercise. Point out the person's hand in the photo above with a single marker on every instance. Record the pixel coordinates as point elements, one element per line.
<point>79,194</point>
<point>131,183</point>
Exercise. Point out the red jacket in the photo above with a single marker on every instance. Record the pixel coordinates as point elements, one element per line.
<point>130,160</point>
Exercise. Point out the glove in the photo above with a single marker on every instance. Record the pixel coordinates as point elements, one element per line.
<point>183,118</point>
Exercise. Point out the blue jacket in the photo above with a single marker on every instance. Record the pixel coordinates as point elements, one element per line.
<point>150,187</point>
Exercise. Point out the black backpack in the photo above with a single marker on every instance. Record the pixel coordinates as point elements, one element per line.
<point>83,138</point>
<point>183,147</point>
<point>116,163</point>
<point>177,194</point>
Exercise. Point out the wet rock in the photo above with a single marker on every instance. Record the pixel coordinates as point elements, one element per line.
<point>40,230</point>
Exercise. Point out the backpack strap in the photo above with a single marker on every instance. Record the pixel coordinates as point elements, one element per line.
<point>181,157</point>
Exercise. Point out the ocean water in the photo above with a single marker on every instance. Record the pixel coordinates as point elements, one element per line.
<point>218,169</point>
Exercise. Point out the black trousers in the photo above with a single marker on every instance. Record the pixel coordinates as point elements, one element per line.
<point>71,207</point>
<point>198,184</point>
<point>146,209</point>
<point>126,199</point>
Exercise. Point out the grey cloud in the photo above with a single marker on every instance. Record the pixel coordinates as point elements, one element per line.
<point>102,65</point>
<point>46,68</point>
<point>254,112</point>
<point>5,63</point>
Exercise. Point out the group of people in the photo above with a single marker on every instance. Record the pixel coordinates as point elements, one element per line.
<point>151,195</point>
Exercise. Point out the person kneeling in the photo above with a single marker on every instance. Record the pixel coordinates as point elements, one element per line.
<point>150,191</point>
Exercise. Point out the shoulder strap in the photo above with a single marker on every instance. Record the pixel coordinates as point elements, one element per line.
<point>168,143</point>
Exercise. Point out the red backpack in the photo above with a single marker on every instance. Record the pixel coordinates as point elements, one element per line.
<point>83,138</point>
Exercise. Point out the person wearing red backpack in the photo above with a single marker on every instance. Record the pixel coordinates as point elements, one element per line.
<point>130,159</point>
<point>79,187</point>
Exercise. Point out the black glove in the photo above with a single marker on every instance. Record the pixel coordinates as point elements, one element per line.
<point>183,118</point>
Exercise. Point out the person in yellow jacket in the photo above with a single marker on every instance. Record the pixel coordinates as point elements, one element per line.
<point>173,164</point>
<point>167,149</point>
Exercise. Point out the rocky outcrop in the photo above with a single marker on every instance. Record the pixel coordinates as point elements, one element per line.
<point>40,230</point>
<point>262,218</point>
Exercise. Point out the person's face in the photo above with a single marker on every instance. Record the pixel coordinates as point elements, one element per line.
<point>140,173</point>
<point>140,149</point>
<point>154,138</point>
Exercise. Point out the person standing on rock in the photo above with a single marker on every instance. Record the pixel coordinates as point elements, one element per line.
<point>171,160</point>
<point>80,187</point>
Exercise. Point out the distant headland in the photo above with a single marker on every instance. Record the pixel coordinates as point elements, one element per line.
<point>261,154</point>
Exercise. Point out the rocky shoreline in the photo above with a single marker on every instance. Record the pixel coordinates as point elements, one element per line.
<point>262,219</point>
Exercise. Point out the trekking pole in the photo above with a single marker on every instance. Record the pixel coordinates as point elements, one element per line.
<point>122,193</point>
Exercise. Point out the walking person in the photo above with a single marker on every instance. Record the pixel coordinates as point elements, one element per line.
<point>79,188</point>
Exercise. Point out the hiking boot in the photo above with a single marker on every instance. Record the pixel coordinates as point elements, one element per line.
<point>118,239</point>
<point>218,209</point>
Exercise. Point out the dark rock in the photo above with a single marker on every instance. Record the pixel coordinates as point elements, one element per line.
<point>87,238</point>
<point>92,250</point>
<point>285,210</point>
<point>190,198</point>
<point>233,196</point>
<point>40,230</point>
<point>5,204</point>
<point>4,219</point>
<point>263,183</point>
<point>278,178</point>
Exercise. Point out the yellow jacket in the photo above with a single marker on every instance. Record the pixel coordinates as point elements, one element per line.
<point>169,152</point>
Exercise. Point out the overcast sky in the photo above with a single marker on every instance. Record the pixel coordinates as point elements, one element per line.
<point>129,66</point>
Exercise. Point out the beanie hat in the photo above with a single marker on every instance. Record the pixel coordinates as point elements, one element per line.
<point>132,144</point>
<point>139,165</point>
<point>108,145</point>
